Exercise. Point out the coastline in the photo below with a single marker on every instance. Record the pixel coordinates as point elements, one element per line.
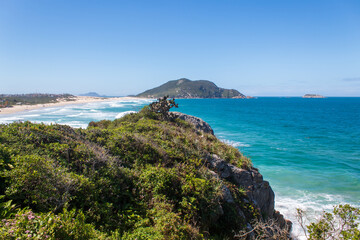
<point>271,157</point>
<point>77,100</point>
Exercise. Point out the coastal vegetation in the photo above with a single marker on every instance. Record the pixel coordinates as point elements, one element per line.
<point>147,175</point>
<point>185,88</point>
<point>9,100</point>
<point>137,177</point>
<point>341,223</point>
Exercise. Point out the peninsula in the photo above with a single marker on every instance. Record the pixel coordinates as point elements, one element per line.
<point>185,88</point>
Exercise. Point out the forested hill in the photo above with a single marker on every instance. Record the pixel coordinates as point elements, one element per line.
<point>185,88</point>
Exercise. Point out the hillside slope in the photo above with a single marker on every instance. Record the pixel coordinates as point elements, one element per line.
<point>185,88</point>
<point>137,177</point>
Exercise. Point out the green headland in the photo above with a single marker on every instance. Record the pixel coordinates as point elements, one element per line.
<point>185,88</point>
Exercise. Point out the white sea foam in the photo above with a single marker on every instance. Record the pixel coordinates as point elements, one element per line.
<point>117,104</point>
<point>120,115</point>
<point>124,103</point>
<point>312,204</point>
<point>61,111</point>
<point>76,115</point>
<point>10,119</point>
<point>77,124</point>
<point>279,148</point>
<point>234,143</point>
<point>32,115</point>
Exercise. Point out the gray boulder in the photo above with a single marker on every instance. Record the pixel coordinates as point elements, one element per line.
<point>258,190</point>
<point>197,122</point>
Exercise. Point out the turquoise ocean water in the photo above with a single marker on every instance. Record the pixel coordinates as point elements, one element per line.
<point>308,149</point>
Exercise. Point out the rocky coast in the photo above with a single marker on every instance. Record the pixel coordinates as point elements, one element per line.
<point>154,174</point>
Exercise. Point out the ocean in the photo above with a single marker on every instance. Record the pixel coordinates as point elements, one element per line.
<point>308,149</point>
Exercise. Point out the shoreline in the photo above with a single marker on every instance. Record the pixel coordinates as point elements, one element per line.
<point>77,100</point>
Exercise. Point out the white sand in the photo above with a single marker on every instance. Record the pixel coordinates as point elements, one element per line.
<point>77,100</point>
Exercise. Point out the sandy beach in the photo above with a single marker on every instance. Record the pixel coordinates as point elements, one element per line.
<point>76,100</point>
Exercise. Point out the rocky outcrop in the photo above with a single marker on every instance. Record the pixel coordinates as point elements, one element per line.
<point>258,191</point>
<point>197,122</point>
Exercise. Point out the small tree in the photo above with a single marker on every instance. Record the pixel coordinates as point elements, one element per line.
<point>163,106</point>
<point>341,223</point>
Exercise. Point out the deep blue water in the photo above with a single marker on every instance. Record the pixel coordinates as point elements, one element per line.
<point>308,149</point>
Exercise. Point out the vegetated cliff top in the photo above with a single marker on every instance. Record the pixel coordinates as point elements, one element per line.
<point>137,177</point>
<point>185,88</point>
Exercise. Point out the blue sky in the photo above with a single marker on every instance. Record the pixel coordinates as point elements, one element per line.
<point>261,48</point>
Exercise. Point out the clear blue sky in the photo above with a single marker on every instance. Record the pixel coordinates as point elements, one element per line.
<point>261,48</point>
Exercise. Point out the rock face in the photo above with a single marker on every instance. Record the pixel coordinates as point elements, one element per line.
<point>197,122</point>
<point>257,190</point>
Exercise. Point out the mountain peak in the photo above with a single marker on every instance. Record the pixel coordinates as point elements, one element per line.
<point>186,88</point>
<point>182,80</point>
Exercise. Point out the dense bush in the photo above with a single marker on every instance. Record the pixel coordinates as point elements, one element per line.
<point>66,225</point>
<point>137,177</point>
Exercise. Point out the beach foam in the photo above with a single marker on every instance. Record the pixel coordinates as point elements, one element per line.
<point>120,115</point>
<point>234,143</point>
<point>78,115</point>
<point>312,204</point>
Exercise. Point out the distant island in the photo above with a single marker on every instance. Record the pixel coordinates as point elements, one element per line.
<point>313,96</point>
<point>9,100</point>
<point>185,88</point>
<point>91,94</point>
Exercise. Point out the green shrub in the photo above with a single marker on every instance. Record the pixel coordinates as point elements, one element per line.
<point>5,165</point>
<point>7,209</point>
<point>341,223</point>
<point>66,225</point>
<point>141,176</point>
<point>37,182</point>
